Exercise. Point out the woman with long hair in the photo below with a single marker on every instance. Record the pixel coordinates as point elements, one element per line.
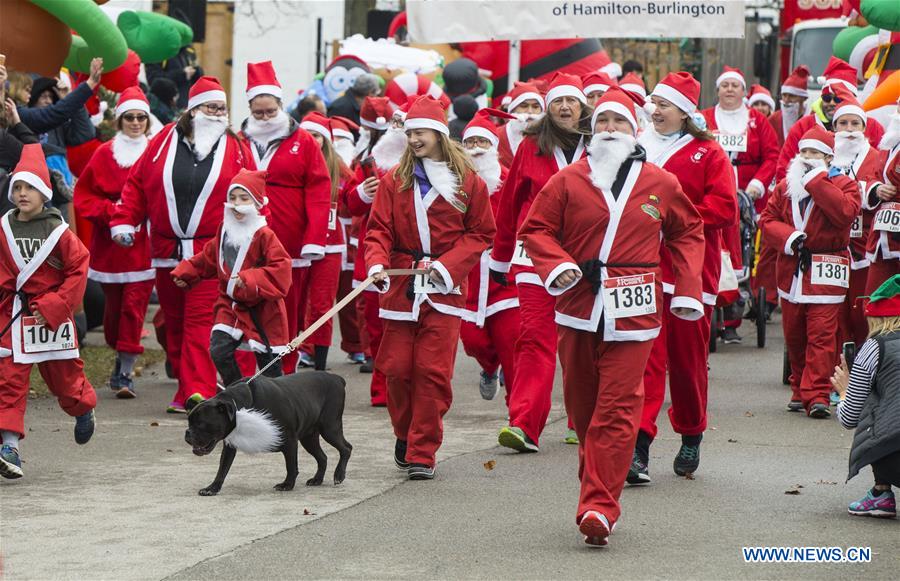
<point>431,212</point>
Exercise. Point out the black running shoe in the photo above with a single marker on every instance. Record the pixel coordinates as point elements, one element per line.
<point>819,411</point>
<point>795,405</point>
<point>368,366</point>
<point>420,472</point>
<point>730,336</point>
<point>639,473</point>
<point>400,455</point>
<point>688,460</point>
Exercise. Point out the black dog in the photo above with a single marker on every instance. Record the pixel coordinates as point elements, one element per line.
<point>272,415</point>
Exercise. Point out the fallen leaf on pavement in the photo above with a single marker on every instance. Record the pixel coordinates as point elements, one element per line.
<point>732,441</point>
<point>748,414</point>
<point>169,450</point>
<point>792,491</point>
<point>154,424</point>
<point>307,513</point>
<point>489,465</point>
<point>689,476</point>
<point>138,371</point>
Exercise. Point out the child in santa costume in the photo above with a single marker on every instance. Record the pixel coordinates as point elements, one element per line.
<point>433,212</point>
<point>676,143</point>
<point>883,247</point>
<point>179,185</point>
<point>808,218</point>
<point>124,273</point>
<point>593,234</point>
<point>298,185</point>
<point>526,104</point>
<point>254,275</point>
<point>489,330</point>
<point>550,144</point>
<point>43,274</point>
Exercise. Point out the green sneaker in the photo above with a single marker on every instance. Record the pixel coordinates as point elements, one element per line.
<point>191,402</point>
<point>571,437</point>
<point>515,439</point>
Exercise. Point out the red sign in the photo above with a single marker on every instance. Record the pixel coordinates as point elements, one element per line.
<point>797,10</point>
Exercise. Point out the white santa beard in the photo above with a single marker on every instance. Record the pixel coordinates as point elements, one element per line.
<point>441,177</point>
<point>126,150</point>
<point>264,131</point>
<point>797,169</point>
<point>522,121</point>
<point>389,149</point>
<point>847,146</point>
<point>607,152</point>
<point>891,133</point>
<point>732,122</point>
<point>240,232</point>
<point>656,144</point>
<point>487,166</point>
<point>207,131</point>
<point>789,115</point>
<point>344,149</point>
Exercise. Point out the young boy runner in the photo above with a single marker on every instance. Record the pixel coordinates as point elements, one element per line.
<point>43,274</point>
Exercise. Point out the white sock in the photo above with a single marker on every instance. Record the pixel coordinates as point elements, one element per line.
<point>10,439</point>
<point>126,362</point>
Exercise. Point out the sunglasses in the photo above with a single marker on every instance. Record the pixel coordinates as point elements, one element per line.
<point>133,118</point>
<point>829,98</point>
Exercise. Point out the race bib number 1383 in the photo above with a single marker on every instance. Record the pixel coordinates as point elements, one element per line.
<point>629,296</point>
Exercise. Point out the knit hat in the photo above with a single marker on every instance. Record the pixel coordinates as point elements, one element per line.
<point>617,101</point>
<point>597,81</point>
<point>838,72</point>
<point>565,85</point>
<point>760,94</point>
<point>818,138</point>
<point>796,83</point>
<point>482,126</point>
<point>254,182</point>
<point>206,89</point>
<point>848,106</point>
<point>681,89</point>
<point>32,169</point>
<point>733,74</point>
<point>315,122</point>
<point>632,82</point>
<point>375,113</point>
<point>523,92</point>
<point>261,80</point>
<point>132,99</point>
<point>427,113</point>
<point>885,301</point>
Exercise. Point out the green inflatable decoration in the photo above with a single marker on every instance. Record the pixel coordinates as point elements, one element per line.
<point>97,36</point>
<point>848,38</point>
<point>154,37</point>
<point>882,13</point>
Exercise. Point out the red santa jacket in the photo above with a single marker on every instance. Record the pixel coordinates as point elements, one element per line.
<point>777,122</point>
<point>884,237</point>
<point>265,269</point>
<point>819,272</point>
<point>865,170</point>
<point>404,223</point>
<point>528,173</point>
<point>148,196</point>
<point>757,164</point>
<point>97,192</point>
<point>572,223</point>
<point>53,281</point>
<point>299,191</point>
<point>790,149</point>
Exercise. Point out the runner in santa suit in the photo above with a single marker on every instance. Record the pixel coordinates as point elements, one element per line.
<point>124,273</point>
<point>593,234</point>
<point>837,74</point>
<point>596,84</point>
<point>883,247</point>
<point>298,185</point>
<point>179,186</point>
<point>747,137</point>
<point>491,324</point>
<point>808,218</point>
<point>431,211</point>
<point>549,145</point>
<point>527,106</point>
<point>862,163</point>
<point>676,143</point>
<point>794,93</point>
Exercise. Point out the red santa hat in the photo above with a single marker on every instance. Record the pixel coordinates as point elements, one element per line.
<point>565,85</point>
<point>206,89</point>
<point>797,82</point>
<point>818,138</point>
<point>132,99</point>
<point>617,101</point>
<point>632,82</point>
<point>524,92</point>
<point>404,109</point>
<point>406,85</point>
<point>760,94</point>
<point>427,113</point>
<point>254,182</point>
<point>315,122</point>
<point>261,80</point>
<point>343,127</point>
<point>375,113</point>
<point>681,89</point>
<point>733,74</point>
<point>848,106</point>
<point>838,72</point>
<point>32,169</point>
<point>482,126</point>
<point>597,81</point>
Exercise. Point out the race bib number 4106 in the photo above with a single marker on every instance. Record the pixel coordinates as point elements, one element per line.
<point>830,270</point>
<point>629,296</point>
<point>887,218</point>
<point>40,339</point>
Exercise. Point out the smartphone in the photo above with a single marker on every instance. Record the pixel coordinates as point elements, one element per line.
<point>849,350</point>
<point>368,167</point>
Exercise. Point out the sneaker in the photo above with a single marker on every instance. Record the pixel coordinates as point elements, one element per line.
<point>595,528</point>
<point>571,437</point>
<point>639,473</point>
<point>125,388</point>
<point>356,358</point>
<point>819,411</point>
<point>834,398</point>
<point>688,460</point>
<point>488,385</point>
<point>515,439</point>
<point>84,427</point>
<point>11,464</point>
<point>305,360</point>
<point>881,505</point>
<point>420,472</point>
<point>175,408</point>
<point>191,402</point>
<point>368,366</point>
<point>730,336</point>
<point>795,405</point>
<point>400,455</point>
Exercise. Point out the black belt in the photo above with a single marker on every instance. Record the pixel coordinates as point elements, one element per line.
<point>804,257</point>
<point>590,269</point>
<point>417,256</point>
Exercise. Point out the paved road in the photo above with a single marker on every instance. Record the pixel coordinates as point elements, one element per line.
<point>125,506</point>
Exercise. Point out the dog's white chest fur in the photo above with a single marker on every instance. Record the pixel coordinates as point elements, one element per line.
<point>254,432</point>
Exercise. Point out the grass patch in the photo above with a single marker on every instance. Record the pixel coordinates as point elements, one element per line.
<point>98,365</point>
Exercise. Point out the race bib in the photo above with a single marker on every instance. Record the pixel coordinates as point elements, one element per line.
<point>38,338</point>
<point>732,143</point>
<point>887,219</point>
<point>422,283</point>
<point>856,229</point>
<point>629,296</point>
<point>332,218</point>
<point>830,270</point>
<point>520,257</point>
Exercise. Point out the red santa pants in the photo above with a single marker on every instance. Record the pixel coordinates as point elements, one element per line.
<point>603,389</point>
<point>809,332</point>
<point>375,329</point>
<point>535,361</point>
<point>683,348</point>
<point>417,357</point>
<point>853,323</point>
<point>123,314</point>
<point>879,271</point>
<point>65,379</point>
<point>494,345</point>
<point>348,318</point>
<point>322,289</point>
<point>295,305</point>
<point>189,321</point>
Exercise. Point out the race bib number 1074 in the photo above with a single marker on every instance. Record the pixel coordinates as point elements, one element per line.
<point>38,338</point>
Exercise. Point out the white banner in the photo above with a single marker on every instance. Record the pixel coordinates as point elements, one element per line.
<point>439,21</point>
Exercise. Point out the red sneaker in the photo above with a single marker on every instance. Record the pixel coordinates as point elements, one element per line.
<point>595,528</point>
